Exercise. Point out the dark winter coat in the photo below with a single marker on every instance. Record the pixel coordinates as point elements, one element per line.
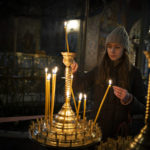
<point>113,113</point>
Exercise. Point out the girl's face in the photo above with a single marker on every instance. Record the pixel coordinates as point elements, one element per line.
<point>115,51</point>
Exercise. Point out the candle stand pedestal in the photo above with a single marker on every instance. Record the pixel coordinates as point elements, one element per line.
<point>65,130</point>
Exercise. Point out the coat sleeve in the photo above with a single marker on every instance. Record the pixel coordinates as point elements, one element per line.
<point>139,92</point>
<point>82,82</point>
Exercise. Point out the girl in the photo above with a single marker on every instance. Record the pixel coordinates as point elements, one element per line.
<point>127,91</point>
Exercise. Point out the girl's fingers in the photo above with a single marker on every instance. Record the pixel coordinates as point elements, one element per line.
<point>118,88</point>
<point>120,94</point>
<point>74,67</point>
<point>117,94</point>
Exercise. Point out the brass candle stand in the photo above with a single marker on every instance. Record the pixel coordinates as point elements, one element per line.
<point>66,130</point>
<point>142,140</point>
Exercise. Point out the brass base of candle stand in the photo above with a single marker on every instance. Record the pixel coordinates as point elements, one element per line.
<point>66,131</point>
<point>70,136</point>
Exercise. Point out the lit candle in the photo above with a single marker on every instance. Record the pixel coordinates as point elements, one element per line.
<point>71,80</point>
<point>84,111</point>
<point>73,94</point>
<point>66,37</point>
<point>74,100</point>
<point>79,103</point>
<point>48,95</point>
<point>101,104</point>
<point>54,71</point>
<point>67,96</point>
<point>46,69</point>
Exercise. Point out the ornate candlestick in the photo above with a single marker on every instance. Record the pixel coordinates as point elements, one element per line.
<point>66,114</point>
<point>142,140</point>
<point>65,131</point>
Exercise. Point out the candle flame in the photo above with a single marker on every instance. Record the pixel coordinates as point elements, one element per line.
<point>110,82</point>
<point>65,23</point>
<point>67,93</point>
<point>85,96</point>
<point>55,70</point>
<point>46,69</point>
<point>48,76</point>
<point>80,96</point>
<point>72,76</point>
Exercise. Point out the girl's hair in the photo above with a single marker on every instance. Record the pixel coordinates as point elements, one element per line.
<point>123,66</point>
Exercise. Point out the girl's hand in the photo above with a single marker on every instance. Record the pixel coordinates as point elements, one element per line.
<point>74,67</point>
<point>124,96</point>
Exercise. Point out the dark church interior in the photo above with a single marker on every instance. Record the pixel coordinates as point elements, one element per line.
<point>32,37</point>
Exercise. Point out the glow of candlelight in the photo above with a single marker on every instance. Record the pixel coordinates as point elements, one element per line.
<point>67,94</point>
<point>55,70</point>
<point>110,82</point>
<point>80,96</point>
<point>85,96</point>
<point>72,77</point>
<point>73,25</point>
<point>46,70</point>
<point>65,24</point>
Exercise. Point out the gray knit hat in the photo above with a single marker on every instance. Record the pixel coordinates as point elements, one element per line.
<point>119,35</point>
